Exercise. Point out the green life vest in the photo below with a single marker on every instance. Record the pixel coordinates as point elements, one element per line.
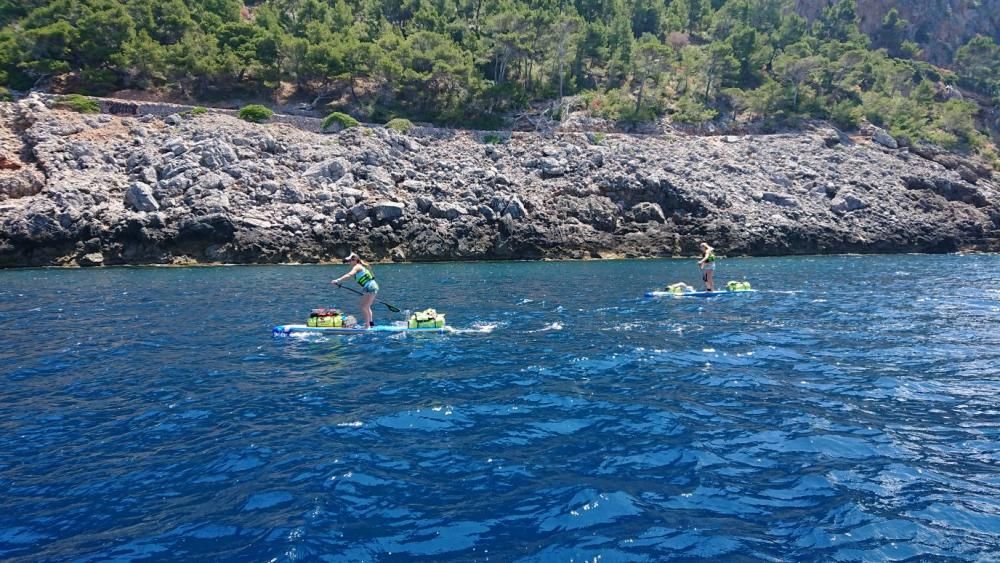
<point>710,257</point>
<point>364,276</point>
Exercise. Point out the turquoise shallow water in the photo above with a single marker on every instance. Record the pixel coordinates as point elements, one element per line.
<point>848,411</point>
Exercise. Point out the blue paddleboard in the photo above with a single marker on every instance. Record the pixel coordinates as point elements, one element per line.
<point>698,293</point>
<point>282,331</point>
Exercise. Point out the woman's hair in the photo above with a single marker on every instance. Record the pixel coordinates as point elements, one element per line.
<point>353,256</point>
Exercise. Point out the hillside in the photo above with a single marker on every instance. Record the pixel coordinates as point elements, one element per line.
<point>100,189</point>
<point>737,64</point>
<point>939,27</point>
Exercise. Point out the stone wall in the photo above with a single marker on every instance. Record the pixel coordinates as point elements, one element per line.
<point>115,106</point>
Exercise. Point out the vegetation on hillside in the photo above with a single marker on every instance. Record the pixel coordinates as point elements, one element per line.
<point>400,125</point>
<point>469,62</point>
<point>339,121</point>
<point>78,103</point>
<point>255,113</point>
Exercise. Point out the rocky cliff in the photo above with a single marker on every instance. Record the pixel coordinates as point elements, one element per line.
<point>939,26</point>
<point>101,189</point>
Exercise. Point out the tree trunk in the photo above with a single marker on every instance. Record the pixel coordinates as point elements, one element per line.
<point>638,100</point>
<point>561,73</point>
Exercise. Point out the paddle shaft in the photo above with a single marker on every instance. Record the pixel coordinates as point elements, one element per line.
<point>352,290</point>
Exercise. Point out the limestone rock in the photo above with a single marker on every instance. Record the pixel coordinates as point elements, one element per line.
<point>448,211</point>
<point>514,209</point>
<point>91,259</point>
<point>552,167</point>
<point>845,203</point>
<point>781,200</point>
<point>219,189</point>
<point>139,196</point>
<point>883,138</point>
<point>648,212</point>
<point>385,210</point>
<point>330,170</point>
<point>21,183</point>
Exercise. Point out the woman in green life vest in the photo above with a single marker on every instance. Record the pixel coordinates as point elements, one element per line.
<point>707,265</point>
<point>361,271</point>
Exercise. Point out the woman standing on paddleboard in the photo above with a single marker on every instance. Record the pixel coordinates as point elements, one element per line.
<point>707,265</point>
<point>362,273</point>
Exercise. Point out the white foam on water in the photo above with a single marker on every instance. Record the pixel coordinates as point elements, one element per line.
<point>475,328</point>
<point>625,327</point>
<point>551,326</point>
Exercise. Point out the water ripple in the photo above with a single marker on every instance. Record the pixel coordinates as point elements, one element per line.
<point>147,414</point>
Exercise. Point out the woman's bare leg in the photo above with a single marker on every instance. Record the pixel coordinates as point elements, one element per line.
<point>366,308</point>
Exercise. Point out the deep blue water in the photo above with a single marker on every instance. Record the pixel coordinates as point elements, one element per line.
<point>849,411</point>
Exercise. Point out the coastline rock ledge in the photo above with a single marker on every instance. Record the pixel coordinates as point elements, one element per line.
<point>94,190</point>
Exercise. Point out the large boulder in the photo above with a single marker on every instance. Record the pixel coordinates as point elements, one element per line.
<point>212,228</point>
<point>445,210</point>
<point>22,183</point>
<point>91,259</point>
<point>882,137</point>
<point>781,200</point>
<point>139,196</point>
<point>552,167</point>
<point>845,203</point>
<point>387,210</point>
<point>359,211</point>
<point>648,212</point>
<point>948,189</point>
<point>514,209</point>
<point>330,170</point>
<point>216,153</point>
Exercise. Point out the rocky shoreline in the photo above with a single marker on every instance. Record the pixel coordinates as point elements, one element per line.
<point>101,190</point>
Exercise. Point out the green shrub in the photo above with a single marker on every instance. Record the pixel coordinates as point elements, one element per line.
<point>958,118</point>
<point>991,155</point>
<point>341,120</point>
<point>690,110</point>
<point>846,114</point>
<point>255,113</point>
<point>613,105</point>
<point>5,95</point>
<point>597,138</point>
<point>399,124</point>
<point>492,139</point>
<point>78,103</point>
<point>98,81</point>
<point>941,138</point>
<point>195,112</point>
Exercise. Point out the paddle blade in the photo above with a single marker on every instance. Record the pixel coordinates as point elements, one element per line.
<point>391,308</point>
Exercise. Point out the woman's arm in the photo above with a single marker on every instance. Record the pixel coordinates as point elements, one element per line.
<point>353,271</point>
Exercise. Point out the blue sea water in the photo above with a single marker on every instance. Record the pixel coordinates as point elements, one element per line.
<point>848,411</point>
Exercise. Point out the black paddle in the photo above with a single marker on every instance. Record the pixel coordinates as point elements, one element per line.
<point>352,290</point>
